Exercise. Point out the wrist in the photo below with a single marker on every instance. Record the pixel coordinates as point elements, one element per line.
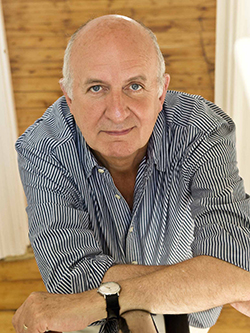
<point>93,307</point>
<point>127,299</point>
<point>110,292</point>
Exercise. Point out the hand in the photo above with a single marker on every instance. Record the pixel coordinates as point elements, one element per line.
<point>243,307</point>
<point>32,315</point>
<point>43,312</point>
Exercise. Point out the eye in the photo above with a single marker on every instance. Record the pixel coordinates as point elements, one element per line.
<point>135,87</point>
<point>96,88</point>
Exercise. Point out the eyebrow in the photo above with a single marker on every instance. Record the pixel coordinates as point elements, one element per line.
<point>134,78</point>
<point>92,81</point>
<point>138,77</point>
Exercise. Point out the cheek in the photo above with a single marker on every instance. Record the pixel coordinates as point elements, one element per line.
<point>148,110</point>
<point>85,114</point>
<point>139,103</point>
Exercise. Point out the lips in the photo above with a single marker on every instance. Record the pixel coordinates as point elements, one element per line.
<point>120,132</point>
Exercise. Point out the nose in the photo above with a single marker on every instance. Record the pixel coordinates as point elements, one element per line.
<point>116,109</point>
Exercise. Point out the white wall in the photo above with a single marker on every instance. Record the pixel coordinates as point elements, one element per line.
<point>232,91</point>
<point>13,220</point>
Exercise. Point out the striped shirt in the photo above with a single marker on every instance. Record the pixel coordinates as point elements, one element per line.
<point>189,199</point>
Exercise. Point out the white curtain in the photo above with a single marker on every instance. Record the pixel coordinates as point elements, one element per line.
<point>232,90</point>
<point>13,220</point>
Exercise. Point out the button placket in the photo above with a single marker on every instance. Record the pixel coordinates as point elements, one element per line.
<point>132,250</point>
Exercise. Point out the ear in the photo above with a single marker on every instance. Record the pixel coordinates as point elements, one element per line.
<point>68,99</point>
<point>165,88</point>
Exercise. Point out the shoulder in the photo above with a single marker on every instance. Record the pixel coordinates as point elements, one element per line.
<point>55,127</point>
<point>186,110</point>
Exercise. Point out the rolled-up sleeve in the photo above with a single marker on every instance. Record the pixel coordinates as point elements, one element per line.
<point>68,255</point>
<point>220,207</point>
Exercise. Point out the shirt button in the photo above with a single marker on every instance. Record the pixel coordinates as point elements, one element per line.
<point>131,229</point>
<point>100,170</point>
<point>117,196</point>
<point>134,263</point>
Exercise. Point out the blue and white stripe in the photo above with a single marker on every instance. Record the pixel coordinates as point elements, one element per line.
<point>189,199</point>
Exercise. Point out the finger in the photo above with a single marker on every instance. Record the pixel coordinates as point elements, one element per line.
<point>15,321</point>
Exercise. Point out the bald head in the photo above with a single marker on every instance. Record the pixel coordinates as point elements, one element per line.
<point>114,28</point>
<point>100,26</point>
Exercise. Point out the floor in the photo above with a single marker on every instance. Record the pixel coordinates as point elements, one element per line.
<point>18,278</point>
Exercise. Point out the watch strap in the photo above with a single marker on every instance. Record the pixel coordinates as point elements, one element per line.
<point>112,307</point>
<point>113,312</point>
<point>123,325</point>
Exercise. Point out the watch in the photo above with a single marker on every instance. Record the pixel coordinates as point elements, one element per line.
<point>110,291</point>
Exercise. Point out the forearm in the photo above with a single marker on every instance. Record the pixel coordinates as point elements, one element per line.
<point>195,285</point>
<point>125,272</point>
<point>43,311</point>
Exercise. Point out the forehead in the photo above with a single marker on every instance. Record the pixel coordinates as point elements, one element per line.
<point>115,47</point>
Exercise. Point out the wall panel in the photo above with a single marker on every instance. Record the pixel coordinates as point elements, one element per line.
<point>38,31</point>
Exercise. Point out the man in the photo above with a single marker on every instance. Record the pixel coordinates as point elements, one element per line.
<point>129,183</point>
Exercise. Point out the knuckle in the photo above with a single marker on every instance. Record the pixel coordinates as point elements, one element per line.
<point>33,294</point>
<point>14,321</point>
<point>15,318</point>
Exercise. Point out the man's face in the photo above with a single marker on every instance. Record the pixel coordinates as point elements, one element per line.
<point>115,94</point>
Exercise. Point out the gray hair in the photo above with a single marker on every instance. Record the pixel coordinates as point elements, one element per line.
<point>67,80</point>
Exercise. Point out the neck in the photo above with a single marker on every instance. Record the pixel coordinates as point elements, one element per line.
<point>123,171</point>
<point>121,165</point>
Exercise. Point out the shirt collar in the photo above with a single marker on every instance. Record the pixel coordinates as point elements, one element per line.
<point>157,146</point>
<point>88,159</point>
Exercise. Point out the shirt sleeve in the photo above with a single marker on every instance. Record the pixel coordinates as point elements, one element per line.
<point>68,256</point>
<point>220,207</point>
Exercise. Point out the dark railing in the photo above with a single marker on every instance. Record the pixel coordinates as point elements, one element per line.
<point>176,323</point>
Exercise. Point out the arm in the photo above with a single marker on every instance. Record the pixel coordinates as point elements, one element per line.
<point>43,311</point>
<point>65,248</point>
<point>194,285</point>
<point>125,272</point>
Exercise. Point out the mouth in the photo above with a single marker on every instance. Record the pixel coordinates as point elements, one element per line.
<point>120,132</point>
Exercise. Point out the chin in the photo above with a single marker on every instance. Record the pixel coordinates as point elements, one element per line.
<point>118,153</point>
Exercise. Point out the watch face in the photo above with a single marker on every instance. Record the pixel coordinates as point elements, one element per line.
<point>109,288</point>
